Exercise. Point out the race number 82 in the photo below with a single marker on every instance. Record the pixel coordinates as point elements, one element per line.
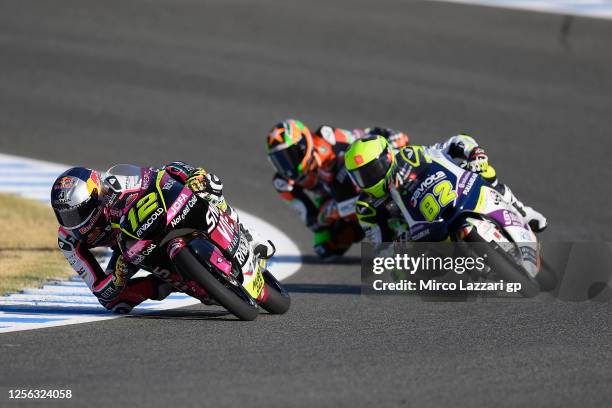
<point>443,194</point>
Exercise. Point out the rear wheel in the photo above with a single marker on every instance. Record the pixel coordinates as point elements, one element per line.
<point>503,265</point>
<point>227,297</point>
<point>277,300</point>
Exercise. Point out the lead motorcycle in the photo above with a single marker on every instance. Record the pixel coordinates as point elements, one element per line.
<point>189,242</point>
<point>440,201</point>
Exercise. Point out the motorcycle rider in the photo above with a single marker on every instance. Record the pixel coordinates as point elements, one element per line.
<point>312,179</point>
<point>372,165</point>
<point>79,198</point>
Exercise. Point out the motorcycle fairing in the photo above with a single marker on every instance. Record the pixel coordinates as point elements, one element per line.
<point>470,194</point>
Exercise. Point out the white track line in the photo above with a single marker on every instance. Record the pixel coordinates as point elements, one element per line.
<point>583,8</point>
<point>71,302</point>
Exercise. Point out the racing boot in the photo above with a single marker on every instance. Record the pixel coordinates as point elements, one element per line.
<point>331,243</point>
<point>262,249</point>
<point>537,222</point>
<point>138,290</point>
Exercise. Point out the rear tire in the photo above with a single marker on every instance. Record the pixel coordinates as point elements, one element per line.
<point>186,261</point>
<point>504,266</point>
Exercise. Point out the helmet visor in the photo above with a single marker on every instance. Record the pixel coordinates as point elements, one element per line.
<point>374,171</point>
<point>287,161</point>
<point>75,217</point>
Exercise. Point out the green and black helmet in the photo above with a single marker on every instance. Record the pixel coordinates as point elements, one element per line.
<point>370,162</point>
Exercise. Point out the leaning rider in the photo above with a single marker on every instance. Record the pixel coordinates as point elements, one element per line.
<point>371,164</point>
<point>78,200</point>
<point>311,178</point>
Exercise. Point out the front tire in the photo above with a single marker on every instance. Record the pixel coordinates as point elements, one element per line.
<point>277,300</point>
<point>190,266</point>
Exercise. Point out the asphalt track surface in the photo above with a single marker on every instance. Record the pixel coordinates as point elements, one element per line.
<point>152,81</point>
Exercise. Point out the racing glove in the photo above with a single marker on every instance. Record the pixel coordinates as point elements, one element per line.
<point>478,161</point>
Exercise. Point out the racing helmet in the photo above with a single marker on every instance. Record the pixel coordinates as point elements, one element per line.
<point>76,200</point>
<point>290,149</point>
<point>370,163</point>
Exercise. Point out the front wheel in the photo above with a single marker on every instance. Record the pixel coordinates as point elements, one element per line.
<point>228,298</point>
<point>277,300</point>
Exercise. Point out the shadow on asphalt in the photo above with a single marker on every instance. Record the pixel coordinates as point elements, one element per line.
<point>181,314</point>
<point>315,260</point>
<point>323,288</point>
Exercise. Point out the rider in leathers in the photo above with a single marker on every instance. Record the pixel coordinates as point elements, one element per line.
<point>382,221</point>
<point>311,178</point>
<point>114,287</point>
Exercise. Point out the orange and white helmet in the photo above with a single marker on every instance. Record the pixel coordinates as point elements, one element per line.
<point>290,149</point>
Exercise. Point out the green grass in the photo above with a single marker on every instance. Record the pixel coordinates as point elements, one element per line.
<point>28,245</point>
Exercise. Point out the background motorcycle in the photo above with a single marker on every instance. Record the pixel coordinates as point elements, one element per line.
<point>446,202</point>
<point>189,242</point>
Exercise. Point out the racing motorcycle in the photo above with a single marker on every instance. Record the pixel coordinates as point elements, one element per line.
<point>440,201</point>
<point>188,241</point>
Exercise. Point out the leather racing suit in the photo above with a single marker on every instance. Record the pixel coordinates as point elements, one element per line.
<point>325,198</point>
<point>114,286</point>
<point>382,221</point>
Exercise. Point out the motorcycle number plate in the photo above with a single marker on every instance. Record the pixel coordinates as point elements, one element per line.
<point>255,286</point>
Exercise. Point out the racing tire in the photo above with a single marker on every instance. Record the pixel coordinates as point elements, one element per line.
<point>186,261</point>
<point>277,300</point>
<point>504,266</point>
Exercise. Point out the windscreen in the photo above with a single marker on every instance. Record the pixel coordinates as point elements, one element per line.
<point>122,177</point>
